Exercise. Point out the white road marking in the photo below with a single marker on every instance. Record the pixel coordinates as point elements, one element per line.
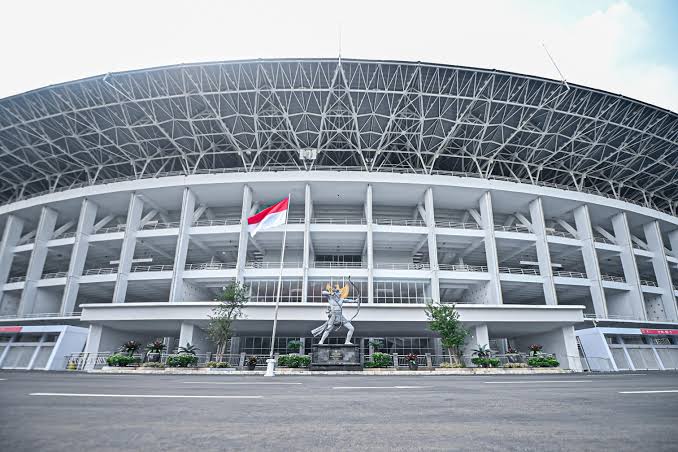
<point>529,382</point>
<point>649,392</point>
<point>3,379</point>
<point>239,383</point>
<point>145,396</point>
<point>380,387</point>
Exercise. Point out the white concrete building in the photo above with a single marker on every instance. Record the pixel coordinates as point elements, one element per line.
<point>540,209</point>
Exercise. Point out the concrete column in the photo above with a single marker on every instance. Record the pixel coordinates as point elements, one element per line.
<point>662,272</point>
<point>308,212</point>
<point>494,295</point>
<point>478,335</point>
<point>10,237</point>
<point>634,299</point>
<point>244,234</point>
<point>432,244</point>
<point>369,246</point>
<point>673,240</point>
<point>48,218</point>
<point>562,342</point>
<point>88,213</point>
<point>543,253</point>
<point>582,220</point>
<point>187,208</point>
<point>129,242</point>
<point>191,334</point>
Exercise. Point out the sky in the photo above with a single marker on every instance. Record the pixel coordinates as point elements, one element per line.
<point>629,47</point>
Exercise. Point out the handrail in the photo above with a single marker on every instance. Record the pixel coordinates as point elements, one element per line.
<point>569,274</point>
<point>456,225</point>
<point>398,222</point>
<point>155,225</point>
<point>14,279</point>
<point>54,275</point>
<point>211,266</point>
<point>519,271</point>
<point>608,317</point>
<point>272,265</point>
<point>217,222</point>
<point>601,239</point>
<point>344,220</point>
<point>462,268</point>
<point>403,266</point>
<point>65,235</point>
<point>647,282</point>
<point>613,278</point>
<point>40,314</point>
<point>321,264</point>
<point>559,233</point>
<point>118,228</point>
<point>151,268</point>
<point>100,271</point>
<point>515,228</point>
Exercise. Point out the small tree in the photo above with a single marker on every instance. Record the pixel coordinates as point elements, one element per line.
<point>220,329</point>
<point>444,320</point>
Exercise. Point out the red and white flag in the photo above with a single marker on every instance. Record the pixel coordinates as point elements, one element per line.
<point>273,216</point>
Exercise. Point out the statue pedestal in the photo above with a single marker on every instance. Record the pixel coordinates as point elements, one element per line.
<point>336,357</point>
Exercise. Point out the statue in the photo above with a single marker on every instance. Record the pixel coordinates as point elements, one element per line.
<point>335,316</point>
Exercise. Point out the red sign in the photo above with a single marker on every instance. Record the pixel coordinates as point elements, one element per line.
<point>671,332</point>
<point>10,329</point>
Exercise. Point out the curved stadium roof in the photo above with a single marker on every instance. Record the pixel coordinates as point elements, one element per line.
<point>358,115</point>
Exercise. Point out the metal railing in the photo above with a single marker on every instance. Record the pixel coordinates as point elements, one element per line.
<point>118,228</point>
<point>344,220</point>
<point>403,266</point>
<point>456,225</point>
<point>65,235</point>
<point>151,268</point>
<point>54,275</point>
<point>462,268</point>
<point>100,271</point>
<point>601,239</point>
<point>613,278</point>
<point>14,279</point>
<point>593,316</point>
<point>40,315</point>
<point>514,228</point>
<point>398,222</point>
<point>318,264</point>
<point>559,233</point>
<point>255,264</point>
<point>211,266</point>
<point>157,225</point>
<point>568,274</point>
<point>519,271</point>
<point>217,222</point>
<point>647,282</point>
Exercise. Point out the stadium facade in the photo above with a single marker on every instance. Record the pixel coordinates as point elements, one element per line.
<point>545,211</point>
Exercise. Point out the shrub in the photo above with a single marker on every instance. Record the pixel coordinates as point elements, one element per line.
<point>380,360</point>
<point>485,362</point>
<point>535,348</point>
<point>154,365</point>
<point>514,365</point>
<point>543,361</point>
<point>120,360</point>
<point>294,361</point>
<point>447,365</point>
<point>188,349</point>
<point>130,347</point>
<point>182,360</point>
<point>218,365</point>
<point>157,346</point>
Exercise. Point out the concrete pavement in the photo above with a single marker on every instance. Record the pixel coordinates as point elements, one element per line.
<point>77,411</point>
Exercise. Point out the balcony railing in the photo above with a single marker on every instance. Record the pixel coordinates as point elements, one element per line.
<point>559,233</point>
<point>14,279</point>
<point>211,266</point>
<point>54,275</point>
<point>65,235</point>
<point>272,265</point>
<point>118,228</point>
<point>152,268</point>
<point>608,317</point>
<point>647,282</point>
<point>462,268</point>
<point>519,271</point>
<point>567,274</point>
<point>339,265</point>
<point>514,228</point>
<point>455,225</point>
<point>157,225</point>
<point>100,271</point>
<point>403,266</point>
<point>40,315</point>
<point>339,220</point>
<point>601,239</point>
<point>217,222</point>
<point>613,278</point>
<point>398,222</point>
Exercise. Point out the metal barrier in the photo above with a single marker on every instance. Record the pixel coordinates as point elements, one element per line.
<point>345,220</point>
<point>211,266</point>
<point>403,266</point>
<point>152,268</point>
<point>570,274</point>
<point>100,271</point>
<point>159,225</point>
<point>613,278</point>
<point>217,222</point>
<point>339,265</point>
<point>519,271</point>
<point>462,268</point>
<point>455,225</point>
<point>515,228</point>
<point>647,282</point>
<point>398,222</point>
<point>40,315</point>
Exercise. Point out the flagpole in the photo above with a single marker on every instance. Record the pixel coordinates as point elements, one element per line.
<point>271,362</point>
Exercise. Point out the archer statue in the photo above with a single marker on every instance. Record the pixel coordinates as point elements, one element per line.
<point>335,316</point>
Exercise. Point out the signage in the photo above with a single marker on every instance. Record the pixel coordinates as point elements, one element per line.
<point>655,332</point>
<point>10,329</point>
<point>336,355</point>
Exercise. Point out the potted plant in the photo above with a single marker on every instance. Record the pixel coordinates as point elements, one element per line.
<point>130,347</point>
<point>294,346</point>
<point>155,349</point>
<point>251,363</point>
<point>188,349</point>
<point>535,349</point>
<point>412,361</point>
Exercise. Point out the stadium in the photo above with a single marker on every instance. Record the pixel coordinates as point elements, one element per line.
<point>545,211</point>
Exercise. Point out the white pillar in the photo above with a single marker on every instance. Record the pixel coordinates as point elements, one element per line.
<point>10,237</point>
<point>88,212</point>
<point>494,295</point>
<point>187,207</point>
<point>370,245</point>
<point>129,242</point>
<point>244,234</point>
<point>655,243</point>
<point>432,244</point>
<point>308,212</point>
<point>582,220</point>
<point>673,239</point>
<point>191,334</point>
<point>36,264</point>
<point>478,335</point>
<point>543,253</point>
<point>622,235</point>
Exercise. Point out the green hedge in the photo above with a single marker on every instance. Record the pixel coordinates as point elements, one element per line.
<point>486,362</point>
<point>542,361</point>
<point>218,365</point>
<point>380,360</point>
<point>120,360</point>
<point>182,360</point>
<point>294,361</point>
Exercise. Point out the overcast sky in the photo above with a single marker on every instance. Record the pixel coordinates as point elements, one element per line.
<point>627,47</point>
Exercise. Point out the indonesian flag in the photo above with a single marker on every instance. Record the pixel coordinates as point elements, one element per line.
<point>273,216</point>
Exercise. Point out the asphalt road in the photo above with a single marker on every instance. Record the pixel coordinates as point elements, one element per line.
<point>76,411</point>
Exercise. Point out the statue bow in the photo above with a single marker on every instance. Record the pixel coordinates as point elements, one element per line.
<point>359,298</point>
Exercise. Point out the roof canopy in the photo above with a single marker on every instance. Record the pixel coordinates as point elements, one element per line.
<point>348,114</point>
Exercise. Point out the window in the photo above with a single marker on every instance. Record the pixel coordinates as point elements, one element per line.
<point>315,289</point>
<point>401,292</point>
<point>266,291</point>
